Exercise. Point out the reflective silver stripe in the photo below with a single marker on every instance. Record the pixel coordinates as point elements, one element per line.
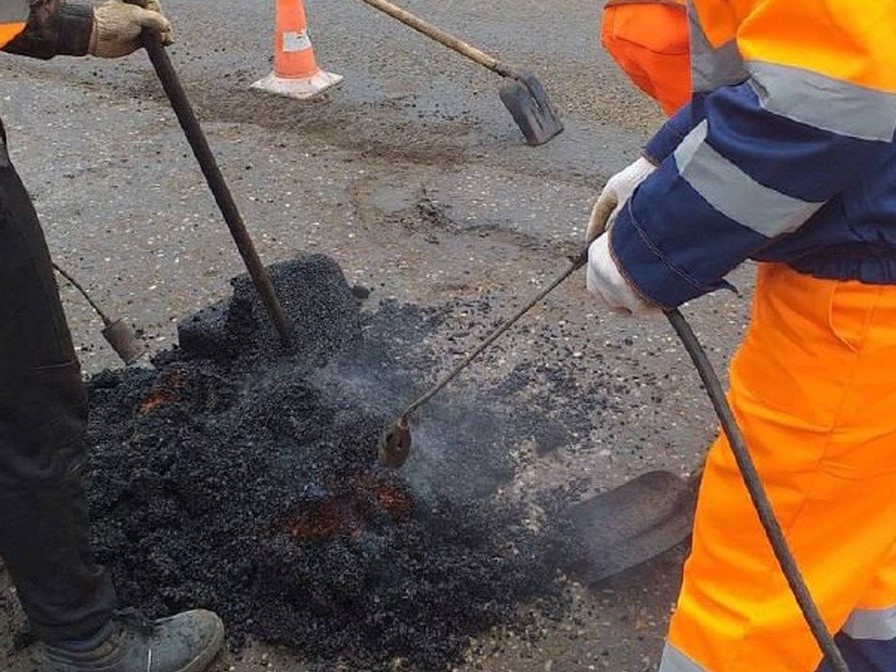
<point>879,624</point>
<point>13,11</point>
<point>674,660</point>
<point>734,193</point>
<point>824,102</point>
<point>712,67</point>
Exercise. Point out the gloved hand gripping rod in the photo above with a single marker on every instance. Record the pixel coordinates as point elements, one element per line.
<point>396,446</point>
<point>190,124</point>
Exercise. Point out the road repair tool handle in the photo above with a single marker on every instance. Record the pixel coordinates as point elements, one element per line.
<point>757,492</point>
<point>77,285</point>
<point>441,36</point>
<point>521,92</point>
<point>577,262</point>
<point>190,124</point>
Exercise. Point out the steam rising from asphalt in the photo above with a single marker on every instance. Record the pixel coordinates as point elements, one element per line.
<point>251,485</point>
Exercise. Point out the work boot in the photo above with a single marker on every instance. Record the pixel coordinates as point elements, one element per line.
<point>187,642</point>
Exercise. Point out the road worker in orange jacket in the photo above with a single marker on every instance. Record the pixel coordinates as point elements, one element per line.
<point>785,155</point>
<point>44,540</point>
<point>649,40</point>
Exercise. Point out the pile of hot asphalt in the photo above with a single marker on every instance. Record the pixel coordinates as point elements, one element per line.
<point>237,477</point>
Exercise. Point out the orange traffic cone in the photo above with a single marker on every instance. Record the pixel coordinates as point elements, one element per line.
<point>296,73</point>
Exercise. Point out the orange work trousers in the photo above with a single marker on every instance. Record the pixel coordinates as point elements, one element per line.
<point>649,40</point>
<point>813,388</point>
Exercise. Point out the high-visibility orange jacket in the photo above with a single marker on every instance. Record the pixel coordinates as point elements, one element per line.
<point>786,152</point>
<point>45,28</point>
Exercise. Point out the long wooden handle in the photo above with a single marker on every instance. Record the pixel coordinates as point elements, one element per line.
<point>190,124</point>
<point>441,36</point>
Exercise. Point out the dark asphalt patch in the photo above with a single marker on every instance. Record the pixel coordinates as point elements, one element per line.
<point>245,480</point>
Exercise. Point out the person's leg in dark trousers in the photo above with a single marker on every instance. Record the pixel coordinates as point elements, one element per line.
<point>44,538</point>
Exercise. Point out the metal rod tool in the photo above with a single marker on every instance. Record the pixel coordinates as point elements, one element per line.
<point>195,136</point>
<point>396,445</point>
<point>118,333</point>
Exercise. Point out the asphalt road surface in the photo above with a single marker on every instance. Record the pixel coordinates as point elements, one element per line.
<point>415,179</point>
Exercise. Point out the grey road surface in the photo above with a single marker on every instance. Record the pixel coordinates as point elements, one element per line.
<point>413,176</point>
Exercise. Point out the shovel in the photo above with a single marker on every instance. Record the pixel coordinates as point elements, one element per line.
<point>521,92</point>
<point>638,521</point>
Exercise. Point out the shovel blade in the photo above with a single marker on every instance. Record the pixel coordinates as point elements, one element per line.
<point>528,102</point>
<point>632,524</point>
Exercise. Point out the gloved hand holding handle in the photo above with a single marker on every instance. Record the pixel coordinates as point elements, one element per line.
<point>617,191</point>
<point>117,26</point>
<point>604,278</point>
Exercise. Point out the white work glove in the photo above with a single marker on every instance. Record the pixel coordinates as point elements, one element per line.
<point>608,284</point>
<point>117,26</point>
<point>617,191</point>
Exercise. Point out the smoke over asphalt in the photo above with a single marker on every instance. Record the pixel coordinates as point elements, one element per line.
<point>242,479</point>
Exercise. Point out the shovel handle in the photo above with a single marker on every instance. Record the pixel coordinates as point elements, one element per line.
<point>439,35</point>
<point>190,124</point>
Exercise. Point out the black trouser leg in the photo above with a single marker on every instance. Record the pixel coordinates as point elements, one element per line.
<point>44,538</point>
